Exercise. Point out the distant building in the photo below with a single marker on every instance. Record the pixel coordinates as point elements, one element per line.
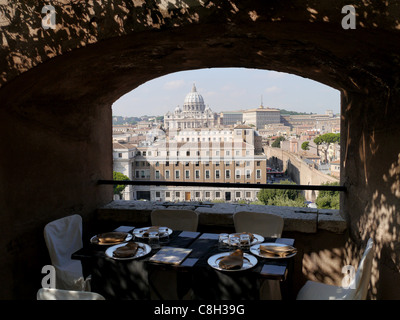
<point>259,117</point>
<point>200,155</point>
<point>231,118</point>
<point>335,168</point>
<point>193,115</point>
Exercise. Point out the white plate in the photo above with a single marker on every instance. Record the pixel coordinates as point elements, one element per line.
<point>257,239</point>
<point>256,250</point>
<point>139,232</point>
<point>249,261</point>
<point>94,240</point>
<point>143,250</point>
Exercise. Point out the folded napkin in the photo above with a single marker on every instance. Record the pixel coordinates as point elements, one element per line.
<point>232,261</point>
<point>111,237</point>
<point>126,251</point>
<point>151,229</point>
<point>277,251</point>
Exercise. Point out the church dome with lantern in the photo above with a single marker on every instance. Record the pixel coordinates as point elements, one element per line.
<point>193,101</point>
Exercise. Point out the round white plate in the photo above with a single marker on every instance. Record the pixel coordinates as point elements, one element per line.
<point>249,261</point>
<point>143,250</point>
<point>94,240</point>
<point>257,239</point>
<point>140,231</point>
<point>256,250</point>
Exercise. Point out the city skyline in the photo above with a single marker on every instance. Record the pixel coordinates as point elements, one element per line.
<point>229,89</point>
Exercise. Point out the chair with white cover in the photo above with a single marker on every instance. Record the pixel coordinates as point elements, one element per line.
<point>63,237</point>
<point>269,226</point>
<point>357,289</point>
<point>164,282</point>
<point>187,220</point>
<point>265,224</point>
<point>60,294</point>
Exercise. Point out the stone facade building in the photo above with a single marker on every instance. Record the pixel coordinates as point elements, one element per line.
<point>202,155</point>
<point>193,115</point>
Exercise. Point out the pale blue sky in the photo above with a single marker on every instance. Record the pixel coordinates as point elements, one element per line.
<point>229,89</point>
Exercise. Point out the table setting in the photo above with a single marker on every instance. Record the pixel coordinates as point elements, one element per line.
<point>233,261</point>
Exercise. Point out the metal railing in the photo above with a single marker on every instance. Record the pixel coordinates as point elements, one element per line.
<point>224,185</point>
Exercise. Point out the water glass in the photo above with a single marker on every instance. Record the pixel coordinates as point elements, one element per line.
<point>244,242</point>
<point>234,241</point>
<point>164,235</point>
<point>154,240</point>
<point>223,241</point>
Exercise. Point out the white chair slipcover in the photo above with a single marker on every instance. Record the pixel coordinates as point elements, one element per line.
<point>59,294</point>
<point>63,237</point>
<point>356,290</point>
<point>186,220</point>
<point>264,224</point>
<point>267,225</point>
<point>164,282</point>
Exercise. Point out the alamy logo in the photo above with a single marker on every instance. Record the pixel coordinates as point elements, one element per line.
<point>49,280</point>
<point>49,20</point>
<point>349,20</point>
<point>348,281</point>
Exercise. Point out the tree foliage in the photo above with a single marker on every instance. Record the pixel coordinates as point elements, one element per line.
<point>118,188</point>
<point>327,139</point>
<point>328,199</point>
<point>277,142</point>
<point>282,197</point>
<point>305,145</point>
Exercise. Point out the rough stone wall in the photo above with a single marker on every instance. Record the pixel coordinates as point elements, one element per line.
<point>299,171</point>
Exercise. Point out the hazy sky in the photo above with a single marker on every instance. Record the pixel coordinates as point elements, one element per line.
<point>229,89</point>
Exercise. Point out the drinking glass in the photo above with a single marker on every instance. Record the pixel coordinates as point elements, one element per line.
<point>244,242</point>
<point>154,240</point>
<point>233,242</point>
<point>164,235</point>
<point>223,241</point>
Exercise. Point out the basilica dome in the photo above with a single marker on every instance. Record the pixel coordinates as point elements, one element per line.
<point>193,101</point>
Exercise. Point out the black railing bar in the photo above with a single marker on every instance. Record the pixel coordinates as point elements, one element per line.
<point>224,185</point>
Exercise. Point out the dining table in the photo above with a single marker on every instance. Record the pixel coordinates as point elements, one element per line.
<point>189,275</point>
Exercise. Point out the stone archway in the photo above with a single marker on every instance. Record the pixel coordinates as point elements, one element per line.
<point>57,87</point>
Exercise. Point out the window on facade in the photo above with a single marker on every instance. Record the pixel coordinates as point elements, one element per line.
<point>207,174</point>
<point>177,174</point>
<point>188,153</point>
<point>158,194</point>
<point>208,194</point>
<point>197,194</point>
<point>218,194</point>
<point>248,194</point>
<point>177,194</point>
<point>258,174</point>
<point>187,174</point>
<point>197,174</point>
<point>237,194</point>
<point>248,174</point>
<point>166,174</point>
<point>119,155</point>
<point>217,175</point>
<point>237,174</point>
<point>157,174</point>
<point>168,194</point>
<point>227,174</point>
